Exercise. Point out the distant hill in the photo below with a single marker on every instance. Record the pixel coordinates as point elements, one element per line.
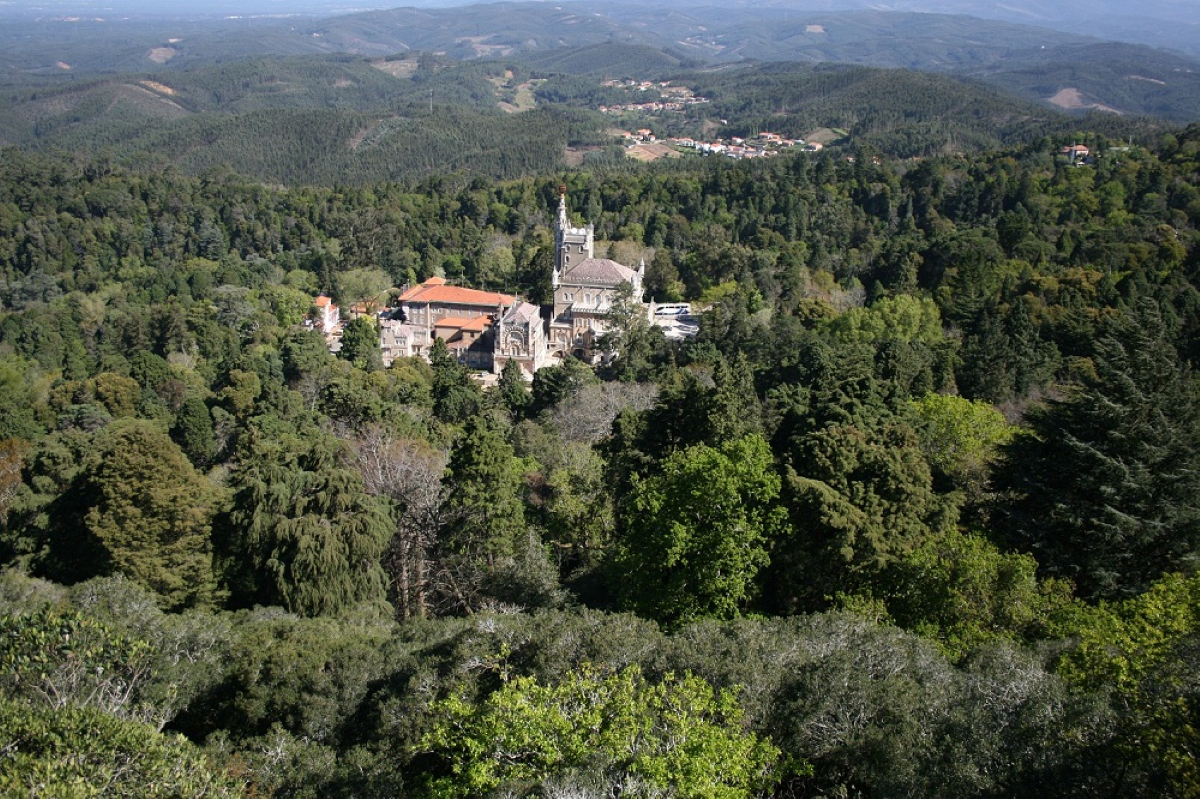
<point>901,112</point>
<point>936,42</point>
<point>342,120</point>
<point>608,60</point>
<point>1078,72</point>
<point>319,119</point>
<point>1124,78</point>
<point>1173,24</point>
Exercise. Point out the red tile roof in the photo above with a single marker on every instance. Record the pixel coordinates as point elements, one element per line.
<point>477,324</point>
<point>437,290</point>
<point>455,322</point>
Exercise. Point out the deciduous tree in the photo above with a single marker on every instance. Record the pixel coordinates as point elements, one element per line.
<point>695,534</point>
<point>598,733</point>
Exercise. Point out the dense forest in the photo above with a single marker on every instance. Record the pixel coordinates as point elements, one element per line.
<point>917,512</point>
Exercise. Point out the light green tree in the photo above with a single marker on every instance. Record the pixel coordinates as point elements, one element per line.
<point>1144,650</point>
<point>613,733</point>
<point>962,440</point>
<point>83,752</point>
<point>367,287</point>
<point>960,591</point>
<point>903,317</point>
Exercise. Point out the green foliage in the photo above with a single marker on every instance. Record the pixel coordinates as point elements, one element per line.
<point>903,318</point>
<point>1119,643</point>
<point>193,431</point>
<point>696,534</point>
<point>59,659</point>
<point>1104,488</point>
<point>854,297</point>
<point>576,508</point>
<point>17,401</point>
<point>961,592</point>
<point>859,503</point>
<point>596,731</point>
<point>360,343</point>
<point>456,398</point>
<point>554,384</point>
<point>131,504</point>
<point>961,440</point>
<point>512,390</point>
<point>300,532</point>
<point>485,516</point>
<point>303,676</point>
<point>79,751</point>
<point>1139,648</point>
<point>152,513</point>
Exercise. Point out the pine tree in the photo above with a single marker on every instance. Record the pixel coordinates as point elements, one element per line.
<point>455,397</point>
<point>483,499</point>
<point>512,390</point>
<point>1106,487</point>
<point>360,344</point>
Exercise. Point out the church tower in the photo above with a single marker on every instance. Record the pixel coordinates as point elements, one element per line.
<point>571,244</point>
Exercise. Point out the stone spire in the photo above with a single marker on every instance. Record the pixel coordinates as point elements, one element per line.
<point>571,244</point>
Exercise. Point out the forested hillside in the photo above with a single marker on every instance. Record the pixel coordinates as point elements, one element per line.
<point>1034,62</point>
<point>916,512</point>
<point>349,121</point>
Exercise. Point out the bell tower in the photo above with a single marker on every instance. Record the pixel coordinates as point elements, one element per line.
<point>571,244</point>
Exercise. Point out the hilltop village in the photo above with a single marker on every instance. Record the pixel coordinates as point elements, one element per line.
<point>665,97</point>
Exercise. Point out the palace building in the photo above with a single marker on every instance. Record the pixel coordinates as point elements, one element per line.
<point>485,329</point>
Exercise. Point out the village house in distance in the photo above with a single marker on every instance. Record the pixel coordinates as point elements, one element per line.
<point>486,329</point>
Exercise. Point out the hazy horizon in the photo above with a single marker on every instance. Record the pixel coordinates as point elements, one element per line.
<point>1171,24</point>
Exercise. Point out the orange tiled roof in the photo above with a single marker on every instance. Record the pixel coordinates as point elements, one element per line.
<point>477,324</point>
<point>455,322</point>
<point>437,290</point>
<point>322,301</point>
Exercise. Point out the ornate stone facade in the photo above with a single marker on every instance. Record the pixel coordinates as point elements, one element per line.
<point>584,287</point>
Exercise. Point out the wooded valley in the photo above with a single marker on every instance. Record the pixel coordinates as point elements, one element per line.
<point>917,512</point>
